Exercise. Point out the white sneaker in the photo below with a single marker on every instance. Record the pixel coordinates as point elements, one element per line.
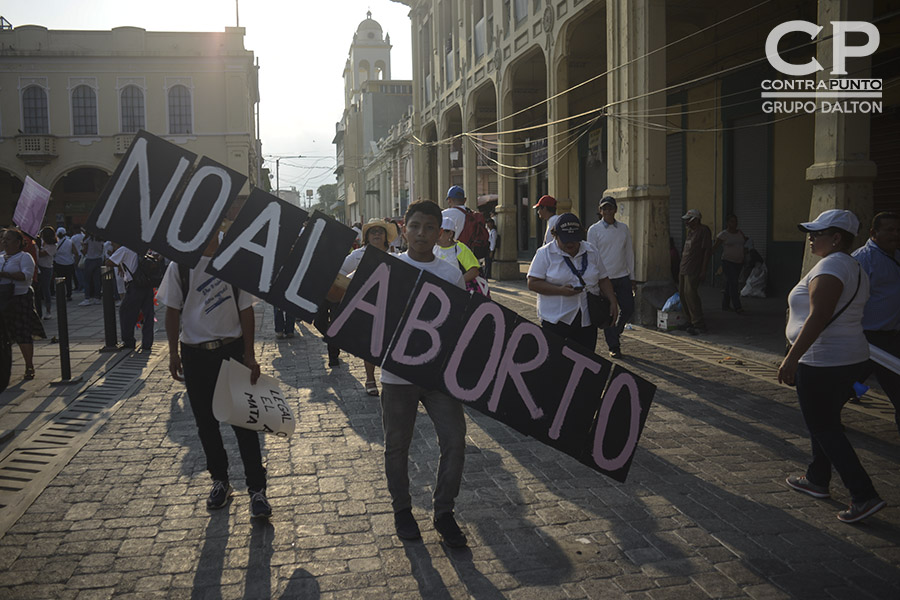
<point>85,302</point>
<point>48,316</point>
<point>96,301</point>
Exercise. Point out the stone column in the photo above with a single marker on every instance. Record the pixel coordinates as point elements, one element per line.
<point>506,264</point>
<point>637,153</point>
<point>559,147</point>
<point>443,168</point>
<point>842,174</point>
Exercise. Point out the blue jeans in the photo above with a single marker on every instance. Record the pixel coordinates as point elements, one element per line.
<point>625,299</point>
<point>92,277</point>
<point>732,294</point>
<point>399,405</point>
<point>822,392</point>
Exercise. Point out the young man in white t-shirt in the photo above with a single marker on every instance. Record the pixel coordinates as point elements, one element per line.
<point>218,324</point>
<point>400,402</point>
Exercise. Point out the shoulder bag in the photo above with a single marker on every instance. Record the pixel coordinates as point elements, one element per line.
<point>598,306</point>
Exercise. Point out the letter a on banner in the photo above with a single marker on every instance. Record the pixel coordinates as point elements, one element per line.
<point>144,187</point>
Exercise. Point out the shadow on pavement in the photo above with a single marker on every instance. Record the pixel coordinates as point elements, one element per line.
<point>208,578</point>
<point>258,583</point>
<point>301,585</point>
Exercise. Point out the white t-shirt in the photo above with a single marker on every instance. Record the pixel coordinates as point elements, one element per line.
<point>445,271</point>
<point>549,264</point>
<point>64,252</point>
<point>46,262</point>
<point>209,312</point>
<point>492,239</point>
<point>459,219</point>
<point>94,249</point>
<point>21,262</point>
<point>842,342</point>
<point>127,258</point>
<point>548,234</point>
<point>352,261</point>
<point>77,240</point>
<point>613,242</point>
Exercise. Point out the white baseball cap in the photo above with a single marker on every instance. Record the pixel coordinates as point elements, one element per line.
<point>841,219</point>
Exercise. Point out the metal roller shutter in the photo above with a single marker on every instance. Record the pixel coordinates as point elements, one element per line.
<point>751,181</point>
<point>675,180</point>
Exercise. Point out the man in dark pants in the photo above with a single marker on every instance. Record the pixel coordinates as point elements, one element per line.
<point>138,299</point>
<point>880,259</point>
<point>612,239</point>
<point>694,263</point>
<point>218,324</point>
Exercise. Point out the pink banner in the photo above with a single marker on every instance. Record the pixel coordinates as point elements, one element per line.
<point>31,207</point>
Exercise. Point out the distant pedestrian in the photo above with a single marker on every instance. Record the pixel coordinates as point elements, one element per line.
<point>828,352</point>
<point>400,401</point>
<point>46,252</point>
<point>138,300</point>
<point>732,241</point>
<point>77,241</point>
<point>19,315</point>
<point>880,259</point>
<point>92,250</point>
<point>456,210</point>
<point>612,239</point>
<point>207,322</point>
<point>64,260</point>
<point>692,272</point>
<point>545,209</point>
<point>493,238</point>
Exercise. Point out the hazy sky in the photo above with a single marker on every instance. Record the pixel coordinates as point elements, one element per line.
<point>301,47</point>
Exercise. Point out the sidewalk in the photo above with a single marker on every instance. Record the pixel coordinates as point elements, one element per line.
<point>704,514</point>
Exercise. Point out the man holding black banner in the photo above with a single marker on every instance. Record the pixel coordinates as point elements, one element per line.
<point>218,324</point>
<point>400,403</point>
<point>138,299</point>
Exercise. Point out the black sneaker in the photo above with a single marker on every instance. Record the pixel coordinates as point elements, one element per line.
<point>802,484</point>
<point>861,510</point>
<point>691,330</point>
<point>406,526</point>
<point>615,354</point>
<point>450,532</point>
<point>220,494</point>
<point>259,505</point>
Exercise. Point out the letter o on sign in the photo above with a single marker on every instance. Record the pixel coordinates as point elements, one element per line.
<point>627,381</point>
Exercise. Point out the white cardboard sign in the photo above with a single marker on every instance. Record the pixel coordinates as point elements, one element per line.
<point>260,407</point>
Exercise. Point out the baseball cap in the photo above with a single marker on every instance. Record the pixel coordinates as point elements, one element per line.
<point>568,228</point>
<point>448,224</point>
<point>841,219</point>
<point>608,200</point>
<point>547,201</point>
<point>456,193</point>
<point>61,231</point>
<point>692,214</point>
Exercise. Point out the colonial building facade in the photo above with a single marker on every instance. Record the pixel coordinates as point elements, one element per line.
<point>71,102</point>
<point>655,103</point>
<point>374,108</point>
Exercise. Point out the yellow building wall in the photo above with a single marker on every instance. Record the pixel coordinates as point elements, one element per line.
<point>703,156</point>
<point>792,154</point>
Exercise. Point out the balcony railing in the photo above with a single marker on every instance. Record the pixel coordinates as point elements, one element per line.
<point>36,149</point>
<point>123,142</point>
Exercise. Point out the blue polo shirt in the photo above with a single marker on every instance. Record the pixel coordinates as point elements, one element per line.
<point>882,312</point>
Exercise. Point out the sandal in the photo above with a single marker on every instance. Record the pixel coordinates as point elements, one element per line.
<point>371,388</point>
<point>29,372</point>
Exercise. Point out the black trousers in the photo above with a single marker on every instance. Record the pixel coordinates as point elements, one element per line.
<point>201,369</point>
<point>67,271</point>
<point>137,300</point>
<point>586,336</point>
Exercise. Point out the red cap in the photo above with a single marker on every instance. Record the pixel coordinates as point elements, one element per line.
<point>548,201</point>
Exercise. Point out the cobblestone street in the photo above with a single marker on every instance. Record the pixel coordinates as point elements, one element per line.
<point>705,512</point>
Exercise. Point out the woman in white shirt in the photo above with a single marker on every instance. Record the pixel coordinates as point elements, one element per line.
<point>562,273</point>
<point>22,322</point>
<point>828,352</point>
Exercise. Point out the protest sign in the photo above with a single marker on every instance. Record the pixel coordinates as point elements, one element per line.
<point>31,207</point>
<point>302,284</point>
<point>258,243</point>
<point>421,327</point>
<point>259,407</point>
<point>147,181</point>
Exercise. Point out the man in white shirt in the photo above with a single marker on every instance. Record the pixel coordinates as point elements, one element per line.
<point>456,199</point>
<point>217,324</point>
<point>64,260</point>
<point>546,211</point>
<point>613,240</point>
<point>138,299</point>
<point>77,243</point>
<point>400,402</point>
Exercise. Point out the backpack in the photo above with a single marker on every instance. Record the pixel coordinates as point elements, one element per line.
<point>474,233</point>
<point>151,269</point>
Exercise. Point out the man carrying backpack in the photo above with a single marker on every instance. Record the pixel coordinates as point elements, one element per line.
<point>138,299</point>
<point>468,226</point>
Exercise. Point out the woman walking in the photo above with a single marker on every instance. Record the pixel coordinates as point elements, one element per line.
<point>22,321</point>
